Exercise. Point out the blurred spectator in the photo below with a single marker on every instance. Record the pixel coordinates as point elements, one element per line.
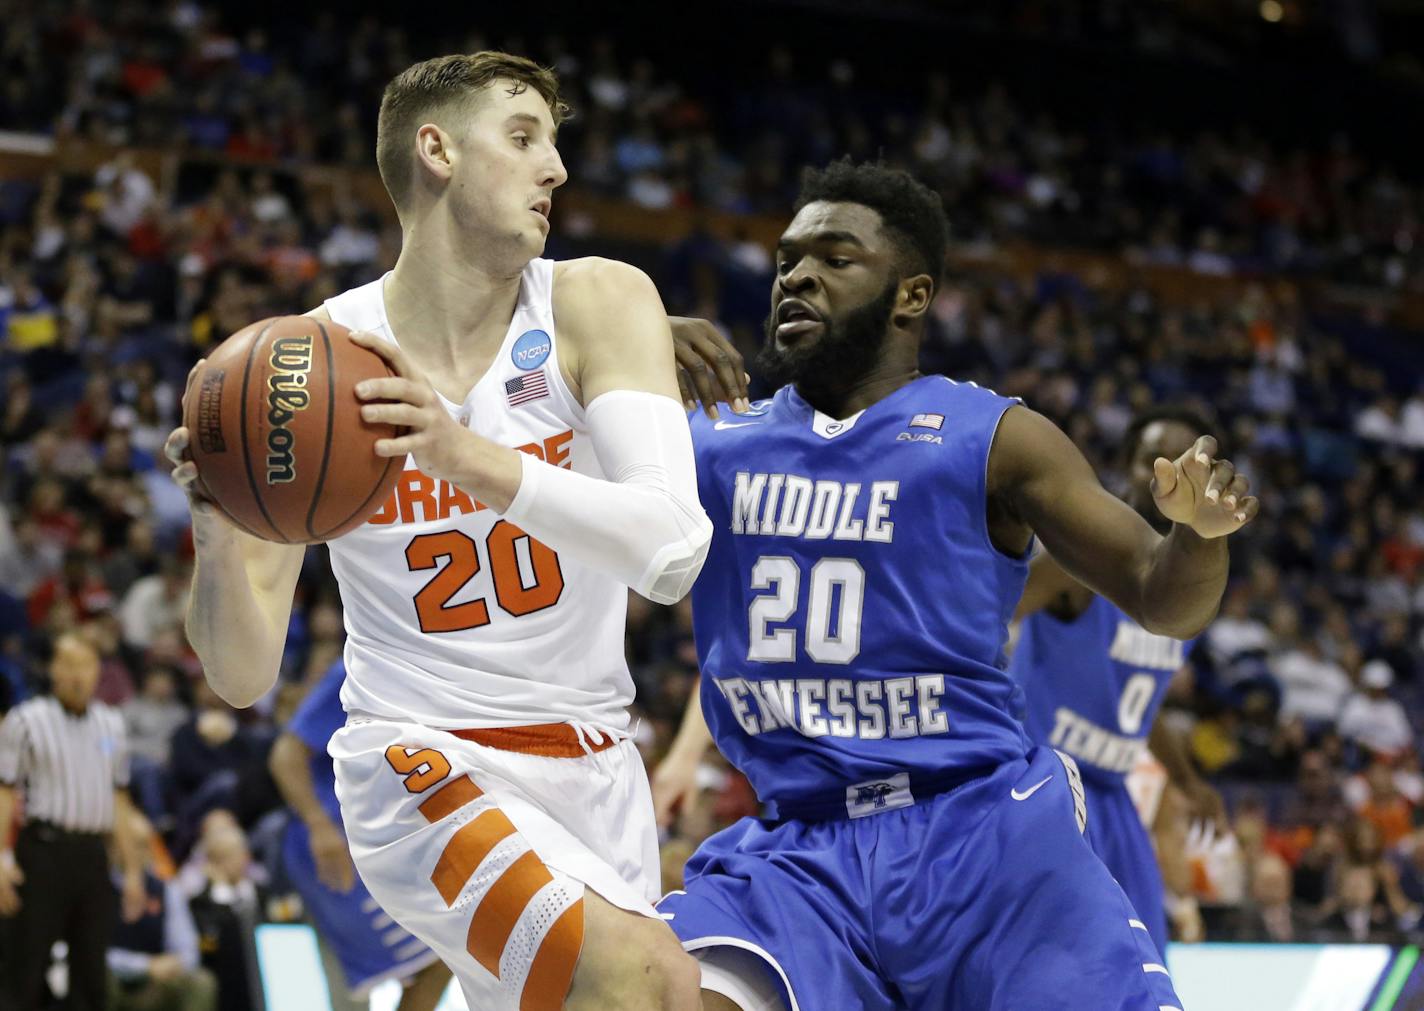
<point>227,910</point>
<point>1271,914</point>
<point>1312,685</point>
<point>1364,847</point>
<point>154,603</point>
<point>1316,872</point>
<point>207,754</point>
<point>1378,801</point>
<point>192,876</point>
<point>1371,718</point>
<point>153,960</point>
<point>1356,912</point>
<point>1317,800</point>
<point>123,193</point>
<point>27,558</point>
<point>31,320</point>
<point>268,203</point>
<point>1236,635</point>
<point>153,716</point>
<point>135,558</point>
<point>351,242</point>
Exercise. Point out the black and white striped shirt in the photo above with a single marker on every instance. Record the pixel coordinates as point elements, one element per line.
<point>68,765</point>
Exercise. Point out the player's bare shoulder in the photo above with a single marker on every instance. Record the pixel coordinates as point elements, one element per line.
<point>590,289</point>
<point>613,330</point>
<point>320,312</point>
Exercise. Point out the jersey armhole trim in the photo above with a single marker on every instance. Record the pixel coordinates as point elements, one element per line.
<point>999,554</point>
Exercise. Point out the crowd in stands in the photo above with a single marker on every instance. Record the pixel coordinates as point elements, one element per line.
<point>1217,201</point>
<point>1305,700</point>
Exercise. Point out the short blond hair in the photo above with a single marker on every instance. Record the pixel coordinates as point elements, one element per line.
<point>425,89</point>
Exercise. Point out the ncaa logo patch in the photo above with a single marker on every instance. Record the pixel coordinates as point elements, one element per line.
<point>531,350</point>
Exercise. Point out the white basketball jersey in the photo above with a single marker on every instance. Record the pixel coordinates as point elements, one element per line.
<point>454,616</point>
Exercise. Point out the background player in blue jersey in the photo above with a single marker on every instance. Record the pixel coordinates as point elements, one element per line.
<point>872,533</point>
<point>1093,681</point>
<point>368,946</point>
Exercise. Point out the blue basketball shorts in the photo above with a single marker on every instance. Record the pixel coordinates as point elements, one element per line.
<point>987,897</point>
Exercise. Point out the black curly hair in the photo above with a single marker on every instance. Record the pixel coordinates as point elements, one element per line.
<point>911,212</point>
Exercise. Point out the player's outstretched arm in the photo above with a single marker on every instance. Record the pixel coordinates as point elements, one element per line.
<point>1169,585</point>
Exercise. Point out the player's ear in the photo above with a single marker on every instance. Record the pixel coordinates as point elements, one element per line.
<point>913,297</point>
<point>433,151</point>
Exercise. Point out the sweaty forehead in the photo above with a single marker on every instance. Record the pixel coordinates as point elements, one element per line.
<point>826,218</point>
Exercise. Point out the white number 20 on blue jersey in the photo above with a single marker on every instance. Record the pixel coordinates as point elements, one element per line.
<point>837,591</point>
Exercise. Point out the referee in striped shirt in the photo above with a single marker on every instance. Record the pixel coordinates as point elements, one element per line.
<point>69,754</point>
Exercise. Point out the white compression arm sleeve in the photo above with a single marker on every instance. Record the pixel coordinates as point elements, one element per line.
<point>643,524</point>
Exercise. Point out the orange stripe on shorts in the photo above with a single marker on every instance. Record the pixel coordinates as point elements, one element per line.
<point>466,850</point>
<point>501,907</point>
<point>552,971</point>
<point>449,798</point>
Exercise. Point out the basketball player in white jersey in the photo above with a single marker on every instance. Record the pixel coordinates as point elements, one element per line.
<point>493,801</point>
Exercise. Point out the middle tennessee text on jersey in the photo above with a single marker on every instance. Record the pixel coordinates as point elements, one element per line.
<point>1092,686</point>
<point>852,614</point>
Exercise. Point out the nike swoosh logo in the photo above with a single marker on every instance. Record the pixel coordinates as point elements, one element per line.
<point>1014,793</point>
<point>734,424</point>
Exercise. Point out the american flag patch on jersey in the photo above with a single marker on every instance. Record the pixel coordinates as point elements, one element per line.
<point>935,421</point>
<point>522,389</point>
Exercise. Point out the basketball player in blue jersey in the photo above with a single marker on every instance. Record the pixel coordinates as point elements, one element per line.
<point>1093,680</point>
<point>872,531</point>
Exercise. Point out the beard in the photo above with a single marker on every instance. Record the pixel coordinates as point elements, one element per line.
<point>848,349</point>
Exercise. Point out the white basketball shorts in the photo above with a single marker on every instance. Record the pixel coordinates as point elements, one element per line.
<point>481,843</point>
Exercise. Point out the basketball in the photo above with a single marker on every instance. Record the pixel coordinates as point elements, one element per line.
<point>277,434</point>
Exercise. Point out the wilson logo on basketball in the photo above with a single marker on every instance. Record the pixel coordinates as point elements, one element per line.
<point>286,395</point>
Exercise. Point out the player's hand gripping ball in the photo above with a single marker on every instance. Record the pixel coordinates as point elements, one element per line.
<point>276,432</point>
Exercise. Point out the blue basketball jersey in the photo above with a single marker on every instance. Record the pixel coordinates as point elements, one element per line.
<point>1092,686</point>
<point>852,613</point>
